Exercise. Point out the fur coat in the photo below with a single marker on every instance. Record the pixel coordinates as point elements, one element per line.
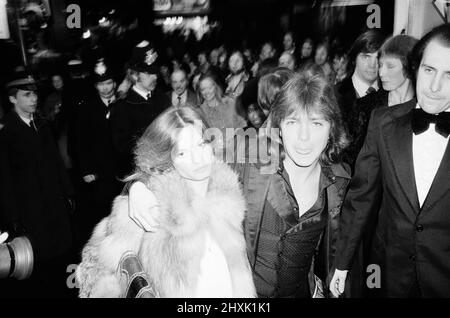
<point>171,256</point>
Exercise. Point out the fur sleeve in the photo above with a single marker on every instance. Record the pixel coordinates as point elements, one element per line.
<point>113,236</point>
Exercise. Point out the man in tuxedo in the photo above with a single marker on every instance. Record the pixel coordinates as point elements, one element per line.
<point>180,95</point>
<point>143,103</point>
<point>95,149</point>
<point>402,174</point>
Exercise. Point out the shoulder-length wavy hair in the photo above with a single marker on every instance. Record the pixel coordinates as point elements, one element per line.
<point>312,94</point>
<point>153,151</point>
<point>216,82</point>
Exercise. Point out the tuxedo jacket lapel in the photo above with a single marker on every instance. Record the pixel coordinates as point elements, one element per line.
<point>441,182</point>
<point>398,137</point>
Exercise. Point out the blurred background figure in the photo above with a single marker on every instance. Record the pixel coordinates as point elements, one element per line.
<point>287,60</point>
<point>238,75</point>
<point>340,65</point>
<point>322,59</point>
<point>267,51</point>
<point>306,51</point>
<point>289,43</point>
<point>181,95</point>
<point>218,110</point>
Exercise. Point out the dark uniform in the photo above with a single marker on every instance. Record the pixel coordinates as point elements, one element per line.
<point>132,115</point>
<point>96,157</point>
<point>129,119</point>
<point>34,200</point>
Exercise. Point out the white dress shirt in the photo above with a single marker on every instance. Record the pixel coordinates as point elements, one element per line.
<point>182,101</point>
<point>141,92</point>
<point>108,101</point>
<point>26,120</point>
<point>361,87</point>
<point>428,150</point>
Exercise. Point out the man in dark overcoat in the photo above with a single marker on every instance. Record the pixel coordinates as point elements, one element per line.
<point>35,191</point>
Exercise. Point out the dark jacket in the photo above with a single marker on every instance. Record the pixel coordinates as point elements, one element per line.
<point>411,243</point>
<point>129,119</point>
<point>359,119</point>
<point>255,178</point>
<point>94,142</point>
<point>354,112</point>
<point>34,186</point>
<point>191,100</point>
<point>96,157</point>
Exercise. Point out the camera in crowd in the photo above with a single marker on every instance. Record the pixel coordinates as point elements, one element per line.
<point>16,258</point>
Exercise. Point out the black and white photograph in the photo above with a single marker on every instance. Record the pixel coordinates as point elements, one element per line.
<point>225,154</point>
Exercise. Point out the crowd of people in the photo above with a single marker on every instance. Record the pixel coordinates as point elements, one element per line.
<point>102,165</point>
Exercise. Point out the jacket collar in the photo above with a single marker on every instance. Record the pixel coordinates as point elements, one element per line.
<point>134,98</point>
<point>398,135</point>
<point>13,119</point>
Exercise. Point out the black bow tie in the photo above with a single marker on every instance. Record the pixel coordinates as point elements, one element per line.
<point>421,121</point>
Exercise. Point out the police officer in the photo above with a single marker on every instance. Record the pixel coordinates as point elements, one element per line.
<point>143,103</point>
<point>34,192</point>
<point>95,149</point>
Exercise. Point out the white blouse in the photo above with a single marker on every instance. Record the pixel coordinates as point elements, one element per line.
<point>214,280</point>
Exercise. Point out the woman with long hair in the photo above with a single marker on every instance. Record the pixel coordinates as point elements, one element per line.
<point>198,248</point>
<point>220,111</point>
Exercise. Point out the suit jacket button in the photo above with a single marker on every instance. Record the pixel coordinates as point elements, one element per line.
<point>419,228</point>
<point>412,258</point>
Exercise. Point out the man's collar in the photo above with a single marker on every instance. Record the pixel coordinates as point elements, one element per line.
<point>141,92</point>
<point>25,119</point>
<point>328,174</point>
<point>360,86</point>
<point>182,95</point>
<point>106,100</point>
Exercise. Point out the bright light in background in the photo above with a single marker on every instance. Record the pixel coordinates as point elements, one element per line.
<point>104,22</point>
<point>87,34</point>
<point>173,21</point>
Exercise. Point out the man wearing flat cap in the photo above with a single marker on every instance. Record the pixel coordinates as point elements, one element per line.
<point>35,191</point>
<point>143,103</point>
<point>95,149</point>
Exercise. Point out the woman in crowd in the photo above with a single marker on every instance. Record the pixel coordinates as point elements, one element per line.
<point>397,80</point>
<point>198,248</point>
<point>255,116</point>
<point>321,58</point>
<point>306,51</point>
<point>218,110</point>
<point>396,74</point>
